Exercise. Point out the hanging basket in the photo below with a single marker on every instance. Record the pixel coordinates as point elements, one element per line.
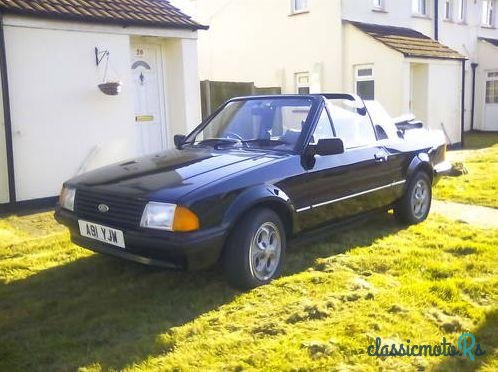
<point>108,87</point>
<point>111,88</point>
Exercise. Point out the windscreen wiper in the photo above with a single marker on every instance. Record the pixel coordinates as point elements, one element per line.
<point>219,141</point>
<point>265,142</point>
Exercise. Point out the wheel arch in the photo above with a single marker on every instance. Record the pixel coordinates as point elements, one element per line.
<point>421,162</point>
<point>263,196</point>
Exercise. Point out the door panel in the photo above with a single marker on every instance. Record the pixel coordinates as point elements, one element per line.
<point>491,101</point>
<point>348,184</point>
<point>491,116</point>
<point>148,97</point>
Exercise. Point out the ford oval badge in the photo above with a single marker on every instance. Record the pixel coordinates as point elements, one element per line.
<point>103,208</point>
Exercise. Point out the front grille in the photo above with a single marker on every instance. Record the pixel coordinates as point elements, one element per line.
<point>123,211</point>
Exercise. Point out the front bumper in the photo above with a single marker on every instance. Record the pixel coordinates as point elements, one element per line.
<point>192,251</point>
<point>446,169</point>
<point>443,169</point>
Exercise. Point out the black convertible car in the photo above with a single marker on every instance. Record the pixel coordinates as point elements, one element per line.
<point>250,177</point>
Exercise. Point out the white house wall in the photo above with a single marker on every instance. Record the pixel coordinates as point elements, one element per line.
<point>182,86</point>
<point>487,54</point>
<point>444,96</point>
<point>4,179</point>
<point>388,67</point>
<point>60,119</point>
<point>462,37</point>
<point>260,41</point>
<point>398,13</point>
<point>465,39</point>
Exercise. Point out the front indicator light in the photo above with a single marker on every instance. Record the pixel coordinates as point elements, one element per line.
<point>185,220</point>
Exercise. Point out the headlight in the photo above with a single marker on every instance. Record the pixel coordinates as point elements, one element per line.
<point>164,216</point>
<point>66,199</point>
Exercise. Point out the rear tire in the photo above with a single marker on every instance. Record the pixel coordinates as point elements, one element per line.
<point>415,205</point>
<point>255,250</point>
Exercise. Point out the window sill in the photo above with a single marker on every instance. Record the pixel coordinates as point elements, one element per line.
<point>379,10</point>
<point>421,16</point>
<point>298,12</point>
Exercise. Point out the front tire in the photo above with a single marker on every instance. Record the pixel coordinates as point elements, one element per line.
<point>255,250</point>
<point>415,205</point>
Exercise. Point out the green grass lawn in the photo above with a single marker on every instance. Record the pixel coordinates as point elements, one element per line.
<point>62,308</point>
<point>480,185</point>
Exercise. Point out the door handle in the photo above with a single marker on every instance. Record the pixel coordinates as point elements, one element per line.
<point>380,158</point>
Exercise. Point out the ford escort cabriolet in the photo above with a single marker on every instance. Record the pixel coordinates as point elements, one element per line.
<point>256,173</point>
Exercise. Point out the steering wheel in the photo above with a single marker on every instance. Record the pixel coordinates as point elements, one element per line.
<point>234,135</point>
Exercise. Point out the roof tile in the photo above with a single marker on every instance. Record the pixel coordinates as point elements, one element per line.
<point>158,13</point>
<point>407,41</point>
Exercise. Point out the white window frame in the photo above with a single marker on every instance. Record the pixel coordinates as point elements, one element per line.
<point>490,76</point>
<point>299,6</point>
<point>299,84</point>
<point>447,10</point>
<point>488,13</point>
<point>420,8</point>
<point>461,11</point>
<point>358,78</point>
<point>379,5</point>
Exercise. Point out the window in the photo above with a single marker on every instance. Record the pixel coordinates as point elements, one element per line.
<point>364,82</point>
<point>378,4</point>
<point>461,10</point>
<point>419,7</point>
<point>303,83</point>
<point>269,123</point>
<point>323,128</point>
<point>299,6</point>
<point>447,10</point>
<point>492,87</point>
<point>354,129</point>
<point>488,13</point>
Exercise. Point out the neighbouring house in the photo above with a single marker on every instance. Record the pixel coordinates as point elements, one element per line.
<point>417,56</point>
<point>462,25</point>
<point>56,121</point>
<point>407,72</point>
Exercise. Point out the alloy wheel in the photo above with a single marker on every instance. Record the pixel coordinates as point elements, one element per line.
<point>420,199</point>
<point>265,251</point>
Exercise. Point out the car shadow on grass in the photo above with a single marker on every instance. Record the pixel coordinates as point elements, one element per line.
<point>105,311</point>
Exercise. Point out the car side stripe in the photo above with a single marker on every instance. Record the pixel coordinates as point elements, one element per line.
<point>351,196</point>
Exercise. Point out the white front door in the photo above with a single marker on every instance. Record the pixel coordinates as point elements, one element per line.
<point>149,97</point>
<point>491,103</point>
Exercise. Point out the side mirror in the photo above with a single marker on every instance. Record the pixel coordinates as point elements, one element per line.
<point>179,140</point>
<point>362,111</point>
<point>330,146</point>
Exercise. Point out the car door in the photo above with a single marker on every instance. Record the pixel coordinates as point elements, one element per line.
<point>359,180</point>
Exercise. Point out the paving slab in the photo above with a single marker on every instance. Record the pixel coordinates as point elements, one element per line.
<point>472,214</point>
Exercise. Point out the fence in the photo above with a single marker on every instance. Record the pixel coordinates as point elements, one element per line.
<point>214,93</point>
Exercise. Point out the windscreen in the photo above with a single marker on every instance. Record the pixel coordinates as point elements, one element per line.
<point>270,123</point>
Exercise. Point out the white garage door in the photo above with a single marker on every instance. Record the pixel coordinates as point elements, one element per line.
<point>491,105</point>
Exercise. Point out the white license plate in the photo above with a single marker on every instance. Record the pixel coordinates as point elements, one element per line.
<point>102,233</point>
